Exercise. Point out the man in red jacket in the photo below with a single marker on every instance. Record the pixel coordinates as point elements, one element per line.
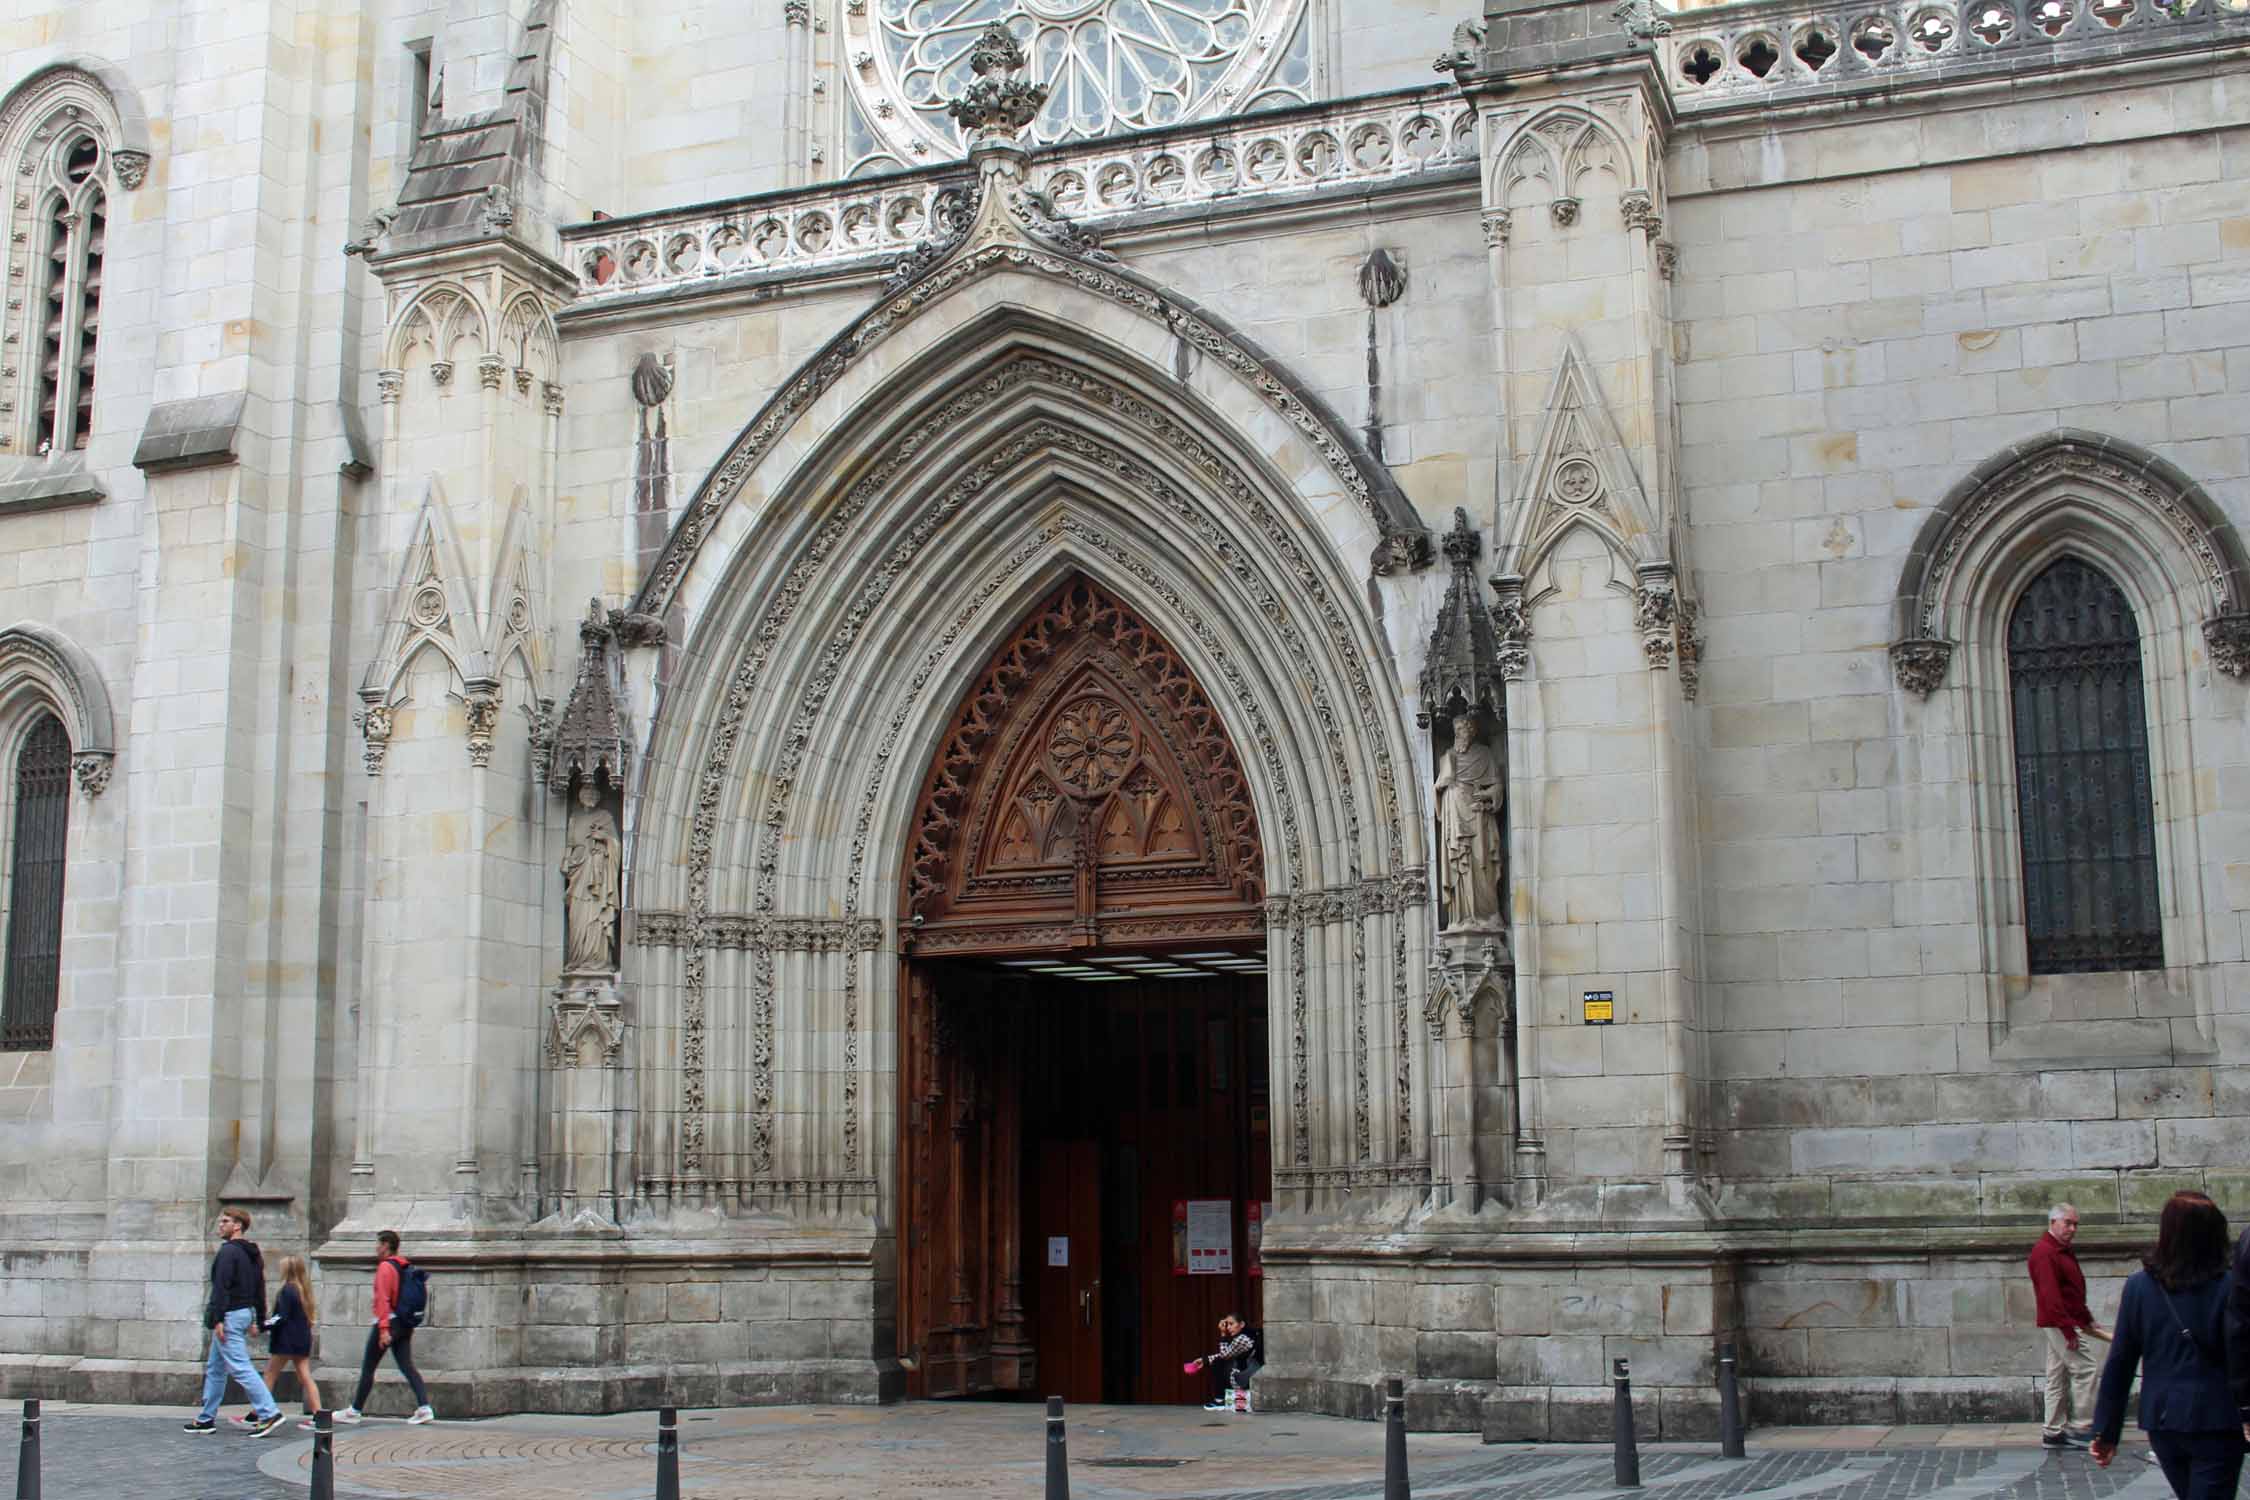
<point>2067,1329</point>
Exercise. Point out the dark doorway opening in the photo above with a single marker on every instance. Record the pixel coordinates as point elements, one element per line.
<point>1087,1165</point>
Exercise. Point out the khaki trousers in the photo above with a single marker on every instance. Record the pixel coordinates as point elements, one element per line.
<point>2070,1379</point>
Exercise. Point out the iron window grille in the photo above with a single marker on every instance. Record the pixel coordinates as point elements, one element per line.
<point>35,889</point>
<point>2086,817</point>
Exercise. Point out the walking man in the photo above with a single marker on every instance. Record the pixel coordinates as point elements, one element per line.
<point>238,1298</point>
<point>2065,1327</point>
<point>390,1332</point>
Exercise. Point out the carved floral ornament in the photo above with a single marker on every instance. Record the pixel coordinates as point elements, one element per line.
<point>2065,480</point>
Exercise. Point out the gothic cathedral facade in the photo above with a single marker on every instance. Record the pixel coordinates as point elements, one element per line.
<point>862,699</point>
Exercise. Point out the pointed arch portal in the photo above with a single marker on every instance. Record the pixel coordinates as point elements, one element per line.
<point>1083,1020</point>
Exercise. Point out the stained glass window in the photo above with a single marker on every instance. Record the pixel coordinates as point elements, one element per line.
<point>1109,65</point>
<point>2082,775</point>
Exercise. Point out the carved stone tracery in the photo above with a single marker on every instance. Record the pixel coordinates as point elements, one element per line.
<point>1086,757</point>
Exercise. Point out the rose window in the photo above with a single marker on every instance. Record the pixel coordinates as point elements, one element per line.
<point>1108,65</point>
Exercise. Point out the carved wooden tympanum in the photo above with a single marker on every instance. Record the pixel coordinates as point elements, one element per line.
<point>1086,795</point>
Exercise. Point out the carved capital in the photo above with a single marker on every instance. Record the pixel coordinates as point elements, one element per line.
<point>551,397</point>
<point>1690,638</point>
<point>484,723</point>
<point>92,768</point>
<point>1667,258</point>
<point>797,12</point>
<point>390,385</point>
<point>489,370</point>
<point>523,381</point>
<point>375,729</point>
<point>1565,211</point>
<point>2228,639</point>
<point>1497,222</point>
<point>1655,614</point>
<point>1919,665</point>
<point>131,167</point>
<point>1511,624</point>
<point>441,372</point>
<point>1638,208</point>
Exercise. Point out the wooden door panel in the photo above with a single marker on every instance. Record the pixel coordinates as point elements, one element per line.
<point>1070,1310</point>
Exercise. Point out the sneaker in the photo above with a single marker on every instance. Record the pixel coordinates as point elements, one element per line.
<point>2060,1440</point>
<point>421,1414</point>
<point>348,1417</point>
<point>199,1424</point>
<point>1218,1404</point>
<point>307,1425</point>
<point>258,1427</point>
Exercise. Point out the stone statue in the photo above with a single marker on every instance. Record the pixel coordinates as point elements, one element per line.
<point>590,868</point>
<point>1469,798</point>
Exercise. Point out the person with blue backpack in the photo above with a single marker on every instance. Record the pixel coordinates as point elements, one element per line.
<point>402,1297</point>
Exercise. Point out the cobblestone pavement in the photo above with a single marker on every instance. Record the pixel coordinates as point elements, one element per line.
<point>989,1449</point>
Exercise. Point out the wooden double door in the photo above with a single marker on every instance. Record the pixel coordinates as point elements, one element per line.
<point>1070,1148</point>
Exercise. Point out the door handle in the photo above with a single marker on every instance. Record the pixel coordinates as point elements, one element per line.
<point>1086,1308</point>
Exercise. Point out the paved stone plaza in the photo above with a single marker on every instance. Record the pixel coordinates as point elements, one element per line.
<point>967,1450</point>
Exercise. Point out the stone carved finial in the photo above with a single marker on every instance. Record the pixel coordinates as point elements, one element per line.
<point>1382,280</point>
<point>131,167</point>
<point>999,103</point>
<point>2227,637</point>
<point>1919,665</point>
<point>92,769</point>
<point>1462,674</point>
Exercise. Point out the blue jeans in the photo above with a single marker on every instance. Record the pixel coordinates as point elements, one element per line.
<point>231,1356</point>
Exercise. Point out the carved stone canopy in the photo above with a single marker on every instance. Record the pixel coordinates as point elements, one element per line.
<point>591,738</point>
<point>1463,673</point>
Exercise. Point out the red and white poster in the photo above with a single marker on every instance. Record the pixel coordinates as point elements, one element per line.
<point>1203,1237</point>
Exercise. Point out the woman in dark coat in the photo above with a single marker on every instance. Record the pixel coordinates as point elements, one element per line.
<point>291,1330</point>
<point>2172,1324</point>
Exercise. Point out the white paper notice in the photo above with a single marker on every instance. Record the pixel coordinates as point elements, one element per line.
<point>1210,1236</point>
<point>1058,1250</point>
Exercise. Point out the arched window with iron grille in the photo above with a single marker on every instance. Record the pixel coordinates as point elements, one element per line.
<point>35,887</point>
<point>2084,808</point>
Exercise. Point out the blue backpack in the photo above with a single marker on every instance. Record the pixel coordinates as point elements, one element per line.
<point>413,1293</point>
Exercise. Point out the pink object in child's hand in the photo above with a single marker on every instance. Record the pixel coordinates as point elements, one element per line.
<point>1192,1366</point>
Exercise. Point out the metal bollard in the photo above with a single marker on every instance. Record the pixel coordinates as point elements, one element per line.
<point>324,1456</point>
<point>1628,1452</point>
<point>1730,1406</point>
<point>1058,1452</point>
<point>1395,1483</point>
<point>668,1454</point>
<point>27,1456</point>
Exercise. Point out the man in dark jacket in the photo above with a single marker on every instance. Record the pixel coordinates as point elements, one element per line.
<point>238,1297</point>
<point>2238,1333</point>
